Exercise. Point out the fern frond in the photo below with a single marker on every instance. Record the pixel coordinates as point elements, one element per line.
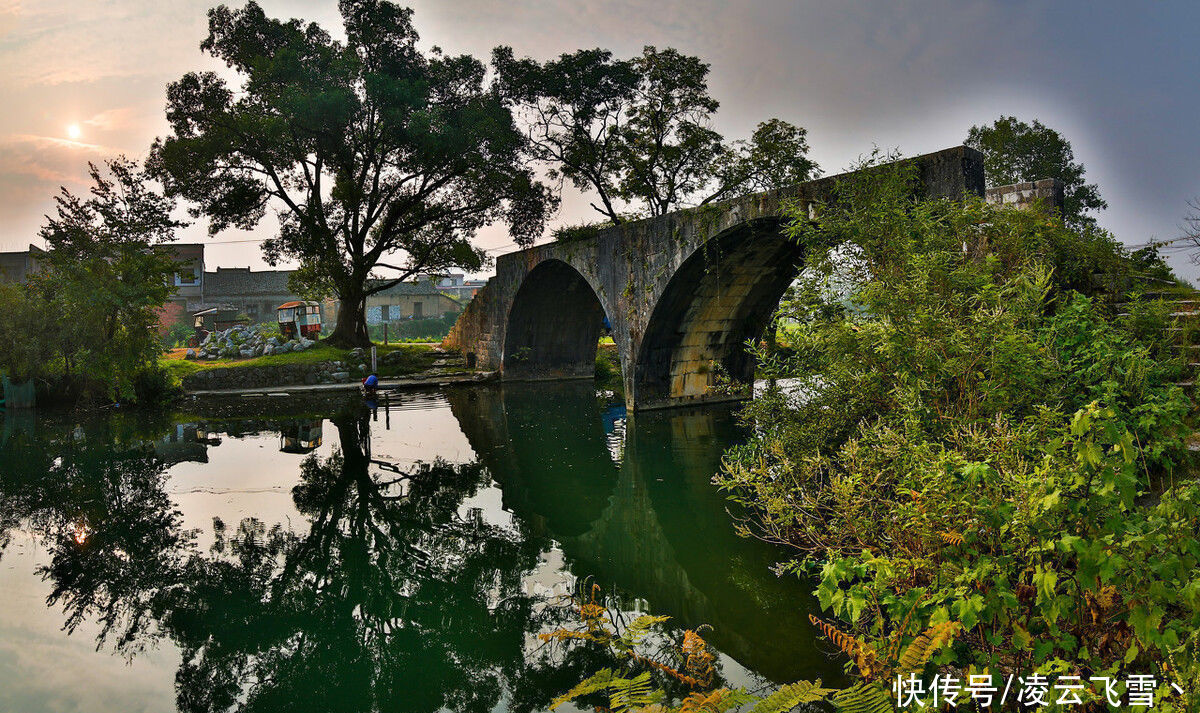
<point>792,695</point>
<point>565,634</point>
<point>639,628</point>
<point>864,656</point>
<point>599,681</point>
<point>629,693</point>
<point>951,538</point>
<point>698,660</point>
<point>718,701</point>
<point>863,698</point>
<point>926,645</point>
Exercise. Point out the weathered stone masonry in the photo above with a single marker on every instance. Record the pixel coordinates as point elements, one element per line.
<point>683,292</point>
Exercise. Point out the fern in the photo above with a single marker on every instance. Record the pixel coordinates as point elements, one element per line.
<point>792,695</point>
<point>718,701</point>
<point>863,698</point>
<point>638,629</point>
<point>631,693</point>
<point>864,656</point>
<point>698,660</point>
<point>926,645</point>
<point>952,538</point>
<point>599,681</point>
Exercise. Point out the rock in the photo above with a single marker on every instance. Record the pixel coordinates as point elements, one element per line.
<point>340,376</point>
<point>246,353</point>
<point>268,350</point>
<point>212,355</point>
<point>311,378</point>
<point>190,354</point>
<point>362,367</point>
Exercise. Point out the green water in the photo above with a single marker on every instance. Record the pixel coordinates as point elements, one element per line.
<point>290,554</point>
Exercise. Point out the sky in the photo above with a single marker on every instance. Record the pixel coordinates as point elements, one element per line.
<point>83,80</point>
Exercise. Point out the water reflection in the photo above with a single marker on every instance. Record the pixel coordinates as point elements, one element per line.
<point>401,587</point>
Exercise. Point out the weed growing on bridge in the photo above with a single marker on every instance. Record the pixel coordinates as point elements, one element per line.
<point>971,435</point>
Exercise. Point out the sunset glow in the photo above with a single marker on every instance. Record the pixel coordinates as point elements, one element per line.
<point>73,132</point>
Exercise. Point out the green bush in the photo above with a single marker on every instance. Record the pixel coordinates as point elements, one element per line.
<point>178,335</point>
<point>433,329</point>
<point>968,434</point>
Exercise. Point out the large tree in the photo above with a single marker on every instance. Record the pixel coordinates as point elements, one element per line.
<point>638,133</point>
<point>375,156</point>
<point>1015,152</point>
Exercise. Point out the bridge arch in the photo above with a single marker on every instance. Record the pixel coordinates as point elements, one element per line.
<point>722,295</point>
<point>553,325</point>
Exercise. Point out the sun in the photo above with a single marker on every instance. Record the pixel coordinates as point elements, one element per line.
<point>73,131</point>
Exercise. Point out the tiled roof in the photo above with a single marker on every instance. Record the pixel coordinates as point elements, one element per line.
<point>409,288</point>
<point>240,281</point>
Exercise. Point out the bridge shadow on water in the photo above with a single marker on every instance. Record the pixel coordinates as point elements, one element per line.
<point>388,587</point>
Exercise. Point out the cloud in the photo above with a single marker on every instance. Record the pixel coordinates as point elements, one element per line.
<point>118,119</point>
<point>9,11</point>
<point>58,41</point>
<point>32,169</point>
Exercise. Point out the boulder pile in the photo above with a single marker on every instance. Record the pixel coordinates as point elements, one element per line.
<point>242,342</point>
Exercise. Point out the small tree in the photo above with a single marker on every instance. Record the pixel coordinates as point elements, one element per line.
<point>103,280</point>
<point>1014,152</point>
<point>376,156</point>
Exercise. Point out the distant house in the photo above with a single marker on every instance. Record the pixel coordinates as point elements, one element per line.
<point>454,284</point>
<point>17,266</point>
<point>254,293</point>
<point>188,283</point>
<point>409,300</point>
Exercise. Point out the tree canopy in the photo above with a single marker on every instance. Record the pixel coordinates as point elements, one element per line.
<point>374,155</point>
<point>638,132</point>
<point>1015,152</point>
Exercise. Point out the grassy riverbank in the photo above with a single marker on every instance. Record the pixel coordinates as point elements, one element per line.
<point>415,358</point>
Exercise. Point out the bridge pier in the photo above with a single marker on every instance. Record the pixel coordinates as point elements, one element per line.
<point>683,293</point>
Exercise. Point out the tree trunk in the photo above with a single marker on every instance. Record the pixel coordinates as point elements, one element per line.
<point>351,330</point>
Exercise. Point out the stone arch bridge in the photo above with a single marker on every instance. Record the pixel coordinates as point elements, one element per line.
<point>683,292</point>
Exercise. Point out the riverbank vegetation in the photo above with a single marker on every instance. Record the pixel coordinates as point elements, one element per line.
<point>413,358</point>
<point>82,326</point>
<point>969,430</point>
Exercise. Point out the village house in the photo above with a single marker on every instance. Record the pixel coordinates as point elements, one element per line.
<point>254,293</point>
<point>17,266</point>
<point>454,284</point>
<point>257,293</point>
<point>409,300</point>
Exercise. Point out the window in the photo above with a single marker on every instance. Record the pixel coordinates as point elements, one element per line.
<point>417,310</point>
<point>188,278</point>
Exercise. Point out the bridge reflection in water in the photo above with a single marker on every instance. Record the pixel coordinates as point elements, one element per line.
<point>651,524</point>
<point>353,580</point>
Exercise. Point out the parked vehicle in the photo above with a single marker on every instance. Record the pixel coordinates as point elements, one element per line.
<point>214,319</point>
<point>300,319</point>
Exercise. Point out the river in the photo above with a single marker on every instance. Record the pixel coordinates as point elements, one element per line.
<point>318,554</point>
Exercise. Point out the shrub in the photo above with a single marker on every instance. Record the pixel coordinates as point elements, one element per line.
<point>968,434</point>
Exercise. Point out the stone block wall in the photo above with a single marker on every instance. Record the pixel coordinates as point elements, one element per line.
<point>267,377</point>
<point>1024,195</point>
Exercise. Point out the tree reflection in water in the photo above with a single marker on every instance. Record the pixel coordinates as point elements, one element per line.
<point>396,593</point>
<point>398,597</point>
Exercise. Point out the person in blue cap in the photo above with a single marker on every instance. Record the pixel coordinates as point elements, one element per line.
<point>370,385</point>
